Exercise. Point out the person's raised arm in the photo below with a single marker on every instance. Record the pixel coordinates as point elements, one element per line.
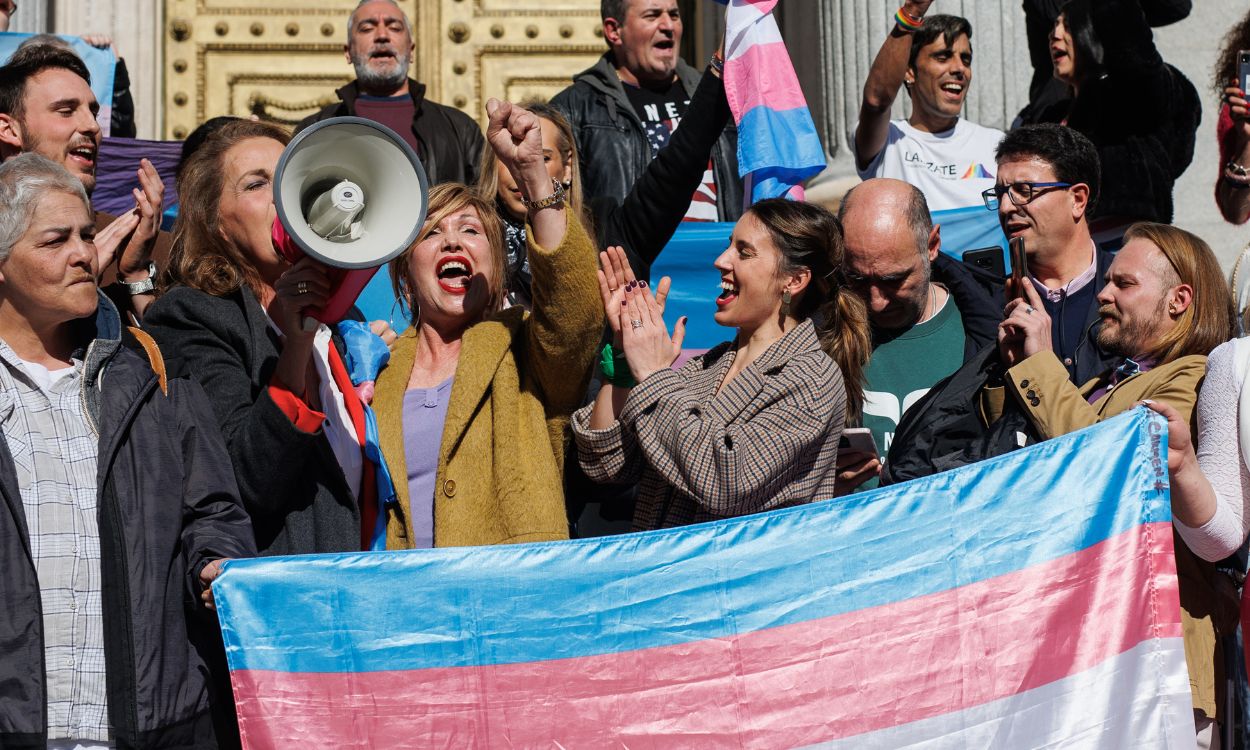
<point>656,204</point>
<point>885,77</point>
<point>516,136</point>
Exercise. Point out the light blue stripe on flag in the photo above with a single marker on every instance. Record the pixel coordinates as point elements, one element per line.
<point>771,139</point>
<point>530,602</point>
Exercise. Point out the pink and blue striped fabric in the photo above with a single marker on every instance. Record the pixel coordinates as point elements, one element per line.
<point>1029,601</point>
<point>778,147</point>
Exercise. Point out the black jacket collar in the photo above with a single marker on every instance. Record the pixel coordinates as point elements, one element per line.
<point>350,92</point>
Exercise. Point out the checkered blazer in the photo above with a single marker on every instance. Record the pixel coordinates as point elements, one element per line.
<point>768,439</point>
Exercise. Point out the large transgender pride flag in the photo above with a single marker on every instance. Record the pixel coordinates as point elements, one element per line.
<point>778,147</point>
<point>1029,601</point>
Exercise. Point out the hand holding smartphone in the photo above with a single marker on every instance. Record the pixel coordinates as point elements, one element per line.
<point>1019,268</point>
<point>858,440</point>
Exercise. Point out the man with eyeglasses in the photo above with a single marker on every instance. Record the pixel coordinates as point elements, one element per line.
<point>1047,184</point>
<point>948,157</point>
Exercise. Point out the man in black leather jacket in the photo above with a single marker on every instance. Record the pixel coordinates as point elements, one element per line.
<point>613,142</point>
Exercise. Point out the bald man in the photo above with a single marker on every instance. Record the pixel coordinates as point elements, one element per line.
<point>929,313</point>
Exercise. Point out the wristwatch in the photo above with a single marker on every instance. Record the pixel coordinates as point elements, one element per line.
<point>550,200</point>
<point>146,286</point>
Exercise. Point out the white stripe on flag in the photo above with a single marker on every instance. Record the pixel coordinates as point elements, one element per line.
<point>745,29</point>
<point>1137,699</point>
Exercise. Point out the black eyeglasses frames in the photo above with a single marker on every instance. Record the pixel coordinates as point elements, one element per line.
<point>1020,193</point>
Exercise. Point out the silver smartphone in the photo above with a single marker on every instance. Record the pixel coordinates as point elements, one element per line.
<point>858,440</point>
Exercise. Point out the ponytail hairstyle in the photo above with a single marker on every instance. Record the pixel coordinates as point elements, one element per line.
<point>808,236</point>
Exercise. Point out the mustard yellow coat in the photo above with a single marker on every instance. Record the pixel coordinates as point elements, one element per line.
<point>519,378</point>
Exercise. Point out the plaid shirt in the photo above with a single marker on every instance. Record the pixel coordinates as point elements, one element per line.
<point>54,452</point>
<point>767,439</point>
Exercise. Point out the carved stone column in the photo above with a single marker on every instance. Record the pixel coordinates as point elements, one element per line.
<point>32,17</point>
<point>135,27</point>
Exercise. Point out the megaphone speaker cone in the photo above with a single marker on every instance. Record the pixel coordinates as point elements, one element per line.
<point>352,194</point>
<point>336,164</point>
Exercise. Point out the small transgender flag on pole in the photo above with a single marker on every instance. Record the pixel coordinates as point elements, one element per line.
<point>777,143</point>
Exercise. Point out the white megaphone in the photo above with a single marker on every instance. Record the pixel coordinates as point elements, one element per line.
<point>351,194</point>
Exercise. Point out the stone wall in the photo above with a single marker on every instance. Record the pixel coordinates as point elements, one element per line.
<point>135,26</point>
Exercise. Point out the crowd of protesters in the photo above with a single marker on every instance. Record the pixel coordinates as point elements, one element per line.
<point>158,422</point>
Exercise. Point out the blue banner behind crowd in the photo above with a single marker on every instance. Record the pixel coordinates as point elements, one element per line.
<point>688,258</point>
<point>1028,601</point>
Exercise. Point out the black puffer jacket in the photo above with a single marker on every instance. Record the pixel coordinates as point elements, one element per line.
<point>451,141</point>
<point>946,430</point>
<point>613,147</point>
<point>1142,115</point>
<point>1039,18</point>
<point>167,505</point>
<point>979,296</point>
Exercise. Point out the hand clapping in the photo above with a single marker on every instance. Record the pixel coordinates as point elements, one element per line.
<point>615,273</point>
<point>640,320</point>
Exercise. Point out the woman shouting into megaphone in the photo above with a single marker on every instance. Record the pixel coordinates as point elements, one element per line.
<point>232,319</point>
<point>475,400</point>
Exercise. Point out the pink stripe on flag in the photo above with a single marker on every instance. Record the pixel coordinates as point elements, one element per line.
<point>763,6</point>
<point>762,77</point>
<point>788,686</point>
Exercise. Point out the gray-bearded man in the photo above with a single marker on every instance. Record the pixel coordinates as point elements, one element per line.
<point>379,46</point>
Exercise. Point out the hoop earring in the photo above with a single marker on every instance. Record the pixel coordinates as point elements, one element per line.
<point>406,309</point>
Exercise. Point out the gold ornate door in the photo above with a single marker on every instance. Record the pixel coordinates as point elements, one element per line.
<point>282,59</point>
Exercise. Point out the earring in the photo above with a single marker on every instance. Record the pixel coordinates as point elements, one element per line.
<point>785,302</point>
<point>567,184</point>
<point>1172,309</point>
<point>405,300</point>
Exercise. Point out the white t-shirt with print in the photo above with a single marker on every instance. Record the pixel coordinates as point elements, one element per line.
<point>951,168</point>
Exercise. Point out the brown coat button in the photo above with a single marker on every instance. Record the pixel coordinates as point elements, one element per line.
<point>449,488</point>
<point>1024,383</point>
<point>1031,395</point>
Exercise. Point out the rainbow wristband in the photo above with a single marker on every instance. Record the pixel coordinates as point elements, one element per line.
<point>906,23</point>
